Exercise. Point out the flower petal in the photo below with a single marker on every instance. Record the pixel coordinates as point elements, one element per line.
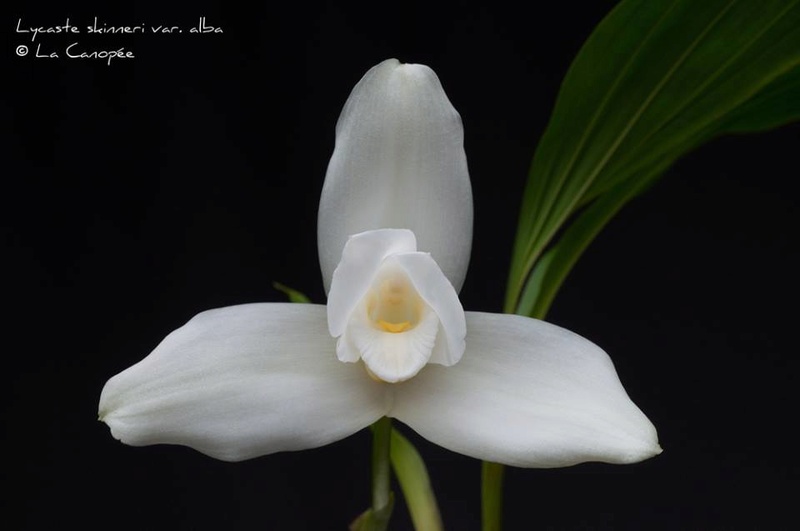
<point>530,394</point>
<point>438,293</point>
<point>393,357</point>
<point>361,258</point>
<point>243,381</point>
<point>399,162</point>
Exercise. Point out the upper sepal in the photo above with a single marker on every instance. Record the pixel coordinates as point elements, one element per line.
<point>399,162</point>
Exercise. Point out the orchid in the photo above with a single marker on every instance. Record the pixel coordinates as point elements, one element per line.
<point>395,230</point>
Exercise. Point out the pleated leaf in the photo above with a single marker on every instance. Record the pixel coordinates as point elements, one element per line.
<point>656,79</point>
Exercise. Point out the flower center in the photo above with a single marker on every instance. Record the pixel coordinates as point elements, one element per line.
<point>392,307</point>
<point>393,304</point>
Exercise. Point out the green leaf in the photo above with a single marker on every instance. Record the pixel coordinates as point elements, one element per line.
<point>416,485</point>
<point>293,294</point>
<point>552,269</point>
<point>656,79</point>
<point>374,520</point>
<point>776,104</point>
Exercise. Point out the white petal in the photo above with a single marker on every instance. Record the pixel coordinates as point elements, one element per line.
<point>394,357</point>
<point>360,261</point>
<point>399,162</point>
<point>530,394</point>
<point>438,293</point>
<point>243,381</point>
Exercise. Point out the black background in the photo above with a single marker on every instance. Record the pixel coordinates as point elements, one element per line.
<point>138,194</point>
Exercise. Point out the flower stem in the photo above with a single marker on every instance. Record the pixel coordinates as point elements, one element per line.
<point>492,496</point>
<point>381,466</point>
<point>376,518</point>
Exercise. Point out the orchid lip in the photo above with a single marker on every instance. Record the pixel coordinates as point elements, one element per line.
<point>392,307</point>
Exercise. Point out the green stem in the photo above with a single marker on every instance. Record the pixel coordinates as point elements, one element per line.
<point>381,466</point>
<point>376,518</point>
<point>492,496</point>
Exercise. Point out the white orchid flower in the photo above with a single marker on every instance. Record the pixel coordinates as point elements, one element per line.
<point>395,227</point>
